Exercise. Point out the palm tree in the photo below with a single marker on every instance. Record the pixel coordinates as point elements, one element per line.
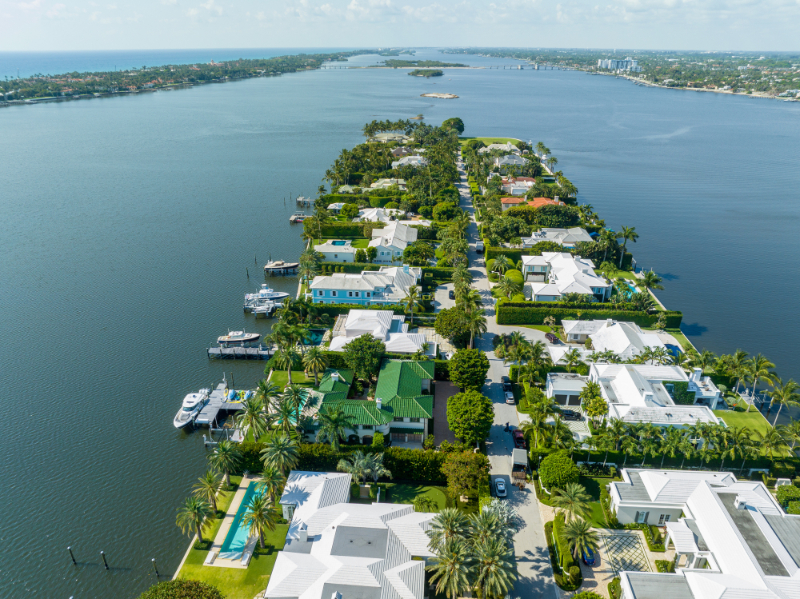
<point>260,517</point>
<point>225,458</point>
<point>469,299</point>
<point>651,280</point>
<point>494,570</point>
<point>280,452</point>
<point>296,396</point>
<point>784,394</point>
<point>629,448</point>
<point>483,527</point>
<point>771,442</point>
<point>535,429</point>
<point>206,488</point>
<point>447,526</point>
<point>375,467</point>
<point>192,516</point>
<point>670,444</point>
<point>475,323</point>
<point>284,414</point>
<point>252,417</point>
<point>411,302</point>
<point>617,430</point>
<point>508,287</point>
<point>759,368</point>
<point>315,361</point>
<point>627,234</point>
<point>791,432</point>
<point>502,264</point>
<point>286,357</point>
<point>268,392</point>
<point>270,483</point>
<point>573,500</point>
<point>333,425</point>
<point>580,537</point>
<point>606,241</point>
<point>356,466</point>
<point>451,569</point>
<point>571,359</point>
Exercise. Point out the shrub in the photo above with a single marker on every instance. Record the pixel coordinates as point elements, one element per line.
<point>468,368</point>
<point>349,211</point>
<point>429,442</point>
<point>587,595</point>
<point>788,493</point>
<point>665,566</point>
<point>182,589</point>
<point>793,508</point>
<point>515,276</point>
<point>557,470</point>
<point>377,441</point>
<point>615,588</point>
<point>652,543</point>
<point>566,561</point>
<point>426,211</point>
<point>536,312</point>
<point>392,205</point>
<point>445,211</point>
<point>605,503</point>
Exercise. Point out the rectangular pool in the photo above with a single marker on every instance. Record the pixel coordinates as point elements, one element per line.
<point>338,243</point>
<point>236,539</point>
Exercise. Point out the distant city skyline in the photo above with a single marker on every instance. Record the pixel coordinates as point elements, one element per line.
<point>717,25</point>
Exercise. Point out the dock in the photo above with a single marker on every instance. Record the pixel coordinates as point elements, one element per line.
<point>216,403</point>
<point>239,353</point>
<point>302,201</point>
<point>279,267</point>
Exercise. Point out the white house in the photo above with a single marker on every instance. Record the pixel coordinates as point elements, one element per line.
<point>336,207</point>
<point>641,393</point>
<point>391,241</point>
<point>555,274</point>
<point>625,339</point>
<point>386,183</point>
<point>337,250</point>
<point>414,161</point>
<point>354,550</point>
<point>565,237</point>
<point>389,285</point>
<point>506,147</point>
<point>510,160</point>
<point>733,539</point>
<point>378,215</point>
<point>381,324</point>
<point>390,137</point>
<point>565,387</point>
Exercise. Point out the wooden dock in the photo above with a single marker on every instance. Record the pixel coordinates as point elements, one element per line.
<point>217,403</point>
<point>239,353</point>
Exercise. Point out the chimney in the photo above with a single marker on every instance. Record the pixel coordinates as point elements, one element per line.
<point>555,198</point>
<point>302,534</point>
<point>335,376</point>
<point>697,374</point>
<point>336,595</point>
<point>609,321</point>
<point>739,503</point>
<point>378,402</point>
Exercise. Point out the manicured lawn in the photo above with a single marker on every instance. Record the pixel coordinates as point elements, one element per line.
<point>593,487</point>
<point>488,140</point>
<point>356,243</point>
<point>280,378</point>
<point>544,328</point>
<point>752,420</point>
<point>403,493</point>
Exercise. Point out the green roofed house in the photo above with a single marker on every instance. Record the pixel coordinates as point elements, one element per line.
<point>402,407</point>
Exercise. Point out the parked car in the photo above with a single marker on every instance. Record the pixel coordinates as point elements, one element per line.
<point>519,440</point>
<point>588,557</point>
<point>452,294</point>
<point>510,398</point>
<point>551,337</point>
<point>506,383</point>
<point>500,487</point>
<point>479,247</point>
<point>571,415</point>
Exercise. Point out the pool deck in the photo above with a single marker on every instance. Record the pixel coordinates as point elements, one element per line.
<point>227,522</point>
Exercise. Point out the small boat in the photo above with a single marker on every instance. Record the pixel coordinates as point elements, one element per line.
<point>239,339</point>
<point>265,297</point>
<point>190,408</point>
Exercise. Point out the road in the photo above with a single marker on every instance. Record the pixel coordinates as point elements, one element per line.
<point>535,574</point>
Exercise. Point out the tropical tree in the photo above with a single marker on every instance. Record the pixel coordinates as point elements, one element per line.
<point>508,287</point>
<point>651,280</point>
<point>270,483</point>
<point>580,537</point>
<point>607,240</point>
<point>225,458</point>
<point>315,361</point>
<point>572,500</point>
<point>268,392</point>
<point>571,359</point>
<point>297,397</point>
<point>451,569</point>
<point>791,432</point>
<point>286,357</point>
<point>192,516</point>
<point>502,264</point>
<point>356,466</point>
<point>627,234</point>
<point>284,415</point>
<point>253,417</point>
<point>447,526</point>
<point>771,442</point>
<point>206,488</point>
<point>483,527</point>
<point>280,452</point>
<point>759,370</point>
<point>475,323</point>
<point>783,394</point>
<point>333,425</point>
<point>375,467</point>
<point>260,517</point>
<point>494,568</point>
<point>411,302</point>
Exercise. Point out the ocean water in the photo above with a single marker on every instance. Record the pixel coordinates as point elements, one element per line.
<point>131,225</point>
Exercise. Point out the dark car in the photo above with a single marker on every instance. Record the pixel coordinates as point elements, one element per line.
<point>570,415</point>
<point>452,294</point>
<point>588,557</point>
<point>519,440</point>
<point>506,383</point>
<point>551,337</point>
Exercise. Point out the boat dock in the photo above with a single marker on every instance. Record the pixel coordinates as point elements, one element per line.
<point>279,267</point>
<point>304,201</point>
<point>217,403</point>
<point>240,353</point>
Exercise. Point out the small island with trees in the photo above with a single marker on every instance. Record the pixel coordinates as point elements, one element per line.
<point>426,73</point>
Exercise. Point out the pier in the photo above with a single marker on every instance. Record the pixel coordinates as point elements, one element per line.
<point>239,353</point>
<point>279,267</point>
<point>217,403</point>
<point>303,201</point>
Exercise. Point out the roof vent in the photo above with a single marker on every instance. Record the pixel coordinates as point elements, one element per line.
<point>378,402</point>
<point>739,503</point>
<point>336,595</point>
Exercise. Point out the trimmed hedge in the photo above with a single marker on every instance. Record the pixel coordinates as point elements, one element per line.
<point>566,561</point>
<point>665,566</point>
<point>536,312</point>
<point>515,276</point>
<point>182,589</point>
<point>438,273</point>
<point>615,588</point>
<point>794,507</point>
<point>351,267</point>
<point>654,541</point>
<point>787,493</point>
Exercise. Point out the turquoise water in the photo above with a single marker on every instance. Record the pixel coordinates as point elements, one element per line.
<point>337,243</point>
<point>314,337</point>
<point>237,536</point>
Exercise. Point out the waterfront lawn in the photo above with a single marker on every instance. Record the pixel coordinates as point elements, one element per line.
<point>280,378</point>
<point>738,418</point>
<point>234,582</point>
<point>488,140</point>
<point>361,243</point>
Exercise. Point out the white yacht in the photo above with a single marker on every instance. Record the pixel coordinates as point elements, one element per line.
<point>190,408</point>
<point>264,296</point>
<point>239,339</point>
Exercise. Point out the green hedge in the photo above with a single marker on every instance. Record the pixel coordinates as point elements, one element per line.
<point>615,588</point>
<point>536,312</point>
<point>438,273</point>
<point>566,561</point>
<point>794,507</point>
<point>182,589</point>
<point>342,230</point>
<point>665,566</point>
<point>787,493</point>
<point>654,541</point>
<point>351,267</point>
<point>442,372</point>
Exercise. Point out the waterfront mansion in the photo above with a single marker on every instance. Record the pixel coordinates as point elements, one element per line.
<point>554,274</point>
<point>389,285</point>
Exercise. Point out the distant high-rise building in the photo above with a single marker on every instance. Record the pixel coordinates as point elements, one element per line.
<point>619,65</point>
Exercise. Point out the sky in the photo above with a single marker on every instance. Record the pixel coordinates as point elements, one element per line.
<point>53,25</point>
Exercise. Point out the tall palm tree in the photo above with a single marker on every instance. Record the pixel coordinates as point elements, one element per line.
<point>260,517</point>
<point>784,394</point>
<point>572,500</point>
<point>268,392</point>
<point>296,396</point>
<point>579,537</point>
<point>670,444</point>
<point>286,357</point>
<point>271,481</point>
<point>651,280</point>
<point>627,234</point>
<point>535,429</point>
<point>451,569</point>
<point>502,264</point>
<point>315,361</point>
<point>617,430</point>
<point>225,458</point>
<point>206,488</point>
<point>280,452</point>
<point>494,568</point>
<point>606,241</point>
<point>356,466</point>
<point>411,302</point>
<point>192,516</point>
<point>771,442</point>
<point>508,287</point>
<point>759,367</point>
<point>469,299</point>
<point>333,425</point>
<point>483,527</point>
<point>791,432</point>
<point>629,447</point>
<point>252,417</point>
<point>284,415</point>
<point>375,467</point>
<point>475,323</point>
<point>571,359</point>
<point>447,526</point>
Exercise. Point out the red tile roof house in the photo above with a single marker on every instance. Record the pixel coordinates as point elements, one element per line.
<point>511,202</point>
<point>539,202</point>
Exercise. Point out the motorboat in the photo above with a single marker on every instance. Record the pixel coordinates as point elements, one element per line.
<point>266,295</point>
<point>190,408</point>
<point>239,339</point>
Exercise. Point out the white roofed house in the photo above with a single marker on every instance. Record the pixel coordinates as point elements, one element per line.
<point>506,147</point>
<point>389,285</point>
<point>391,241</point>
<point>640,393</point>
<point>565,237</point>
<point>381,324</point>
<point>625,339</point>
<point>382,215</point>
<point>504,162</point>
<point>555,274</point>
<point>387,183</point>
<point>337,250</point>
<point>335,207</point>
<point>414,161</point>
<point>351,550</point>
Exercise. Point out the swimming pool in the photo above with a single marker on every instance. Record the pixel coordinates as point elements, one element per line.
<point>314,337</point>
<point>632,287</point>
<point>338,243</point>
<point>236,539</point>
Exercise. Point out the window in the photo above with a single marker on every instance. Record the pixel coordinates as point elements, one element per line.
<point>368,294</point>
<point>416,420</point>
<point>663,519</point>
<point>641,517</point>
<point>349,294</point>
<point>333,293</point>
<point>319,293</point>
<point>398,419</point>
<point>367,427</point>
<point>357,293</point>
<point>336,255</point>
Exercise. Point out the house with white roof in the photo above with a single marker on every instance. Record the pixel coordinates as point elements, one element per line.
<point>565,387</point>
<point>389,285</point>
<point>641,393</point>
<point>733,540</point>
<point>506,147</point>
<point>414,161</point>
<point>391,241</point>
<point>510,160</point>
<point>387,183</point>
<point>336,207</point>
<point>385,325</point>
<point>565,237</point>
<point>376,551</point>
<point>379,215</point>
<point>554,274</point>
<point>390,137</point>
<point>626,339</point>
<point>337,250</point>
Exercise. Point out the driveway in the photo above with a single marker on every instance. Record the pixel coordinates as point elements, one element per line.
<point>441,430</point>
<point>441,299</point>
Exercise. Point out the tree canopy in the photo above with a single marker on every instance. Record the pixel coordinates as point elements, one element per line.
<point>470,416</point>
<point>558,470</point>
<point>454,123</point>
<point>468,368</point>
<point>363,355</point>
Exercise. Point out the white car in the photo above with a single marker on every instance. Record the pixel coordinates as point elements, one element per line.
<point>500,487</point>
<point>510,398</point>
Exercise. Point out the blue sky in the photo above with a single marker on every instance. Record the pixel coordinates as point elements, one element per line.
<point>48,25</point>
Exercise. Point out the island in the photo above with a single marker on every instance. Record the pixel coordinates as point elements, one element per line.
<point>406,64</point>
<point>440,96</point>
<point>426,73</point>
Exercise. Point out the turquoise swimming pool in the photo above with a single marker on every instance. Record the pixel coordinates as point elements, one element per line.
<point>236,539</point>
<point>338,242</point>
<point>314,337</point>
